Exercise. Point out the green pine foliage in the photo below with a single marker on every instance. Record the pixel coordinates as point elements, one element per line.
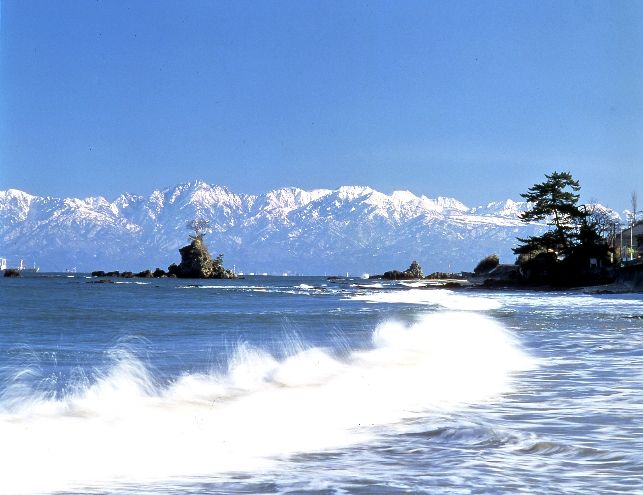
<point>555,201</point>
<point>576,249</point>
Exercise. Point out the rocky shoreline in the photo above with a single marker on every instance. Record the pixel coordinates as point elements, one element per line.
<point>196,262</point>
<point>490,274</point>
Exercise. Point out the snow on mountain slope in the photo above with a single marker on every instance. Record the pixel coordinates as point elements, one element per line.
<point>508,208</point>
<point>350,229</point>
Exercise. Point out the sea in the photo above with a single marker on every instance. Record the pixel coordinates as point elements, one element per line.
<point>284,385</point>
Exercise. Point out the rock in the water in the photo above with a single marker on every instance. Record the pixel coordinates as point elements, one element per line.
<point>452,285</point>
<point>487,264</point>
<point>415,270</point>
<point>394,275</point>
<point>412,272</point>
<point>173,270</point>
<point>196,262</point>
<point>158,273</point>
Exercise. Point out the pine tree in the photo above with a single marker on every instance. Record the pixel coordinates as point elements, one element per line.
<point>554,200</point>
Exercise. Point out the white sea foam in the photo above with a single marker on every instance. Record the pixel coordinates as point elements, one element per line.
<point>413,284</point>
<point>431,297</point>
<point>221,287</point>
<point>544,301</point>
<point>368,286</point>
<point>125,427</point>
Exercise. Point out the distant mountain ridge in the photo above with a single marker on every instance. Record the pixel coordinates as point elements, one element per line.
<point>351,229</point>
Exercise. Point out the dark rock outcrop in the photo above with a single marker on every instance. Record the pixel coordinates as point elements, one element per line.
<point>452,285</point>
<point>158,273</point>
<point>446,276</point>
<point>196,262</point>
<point>412,272</point>
<point>578,269</point>
<point>415,270</point>
<point>487,264</point>
<point>393,275</point>
<point>502,276</point>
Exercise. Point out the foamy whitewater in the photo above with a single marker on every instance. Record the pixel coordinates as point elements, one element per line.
<point>282,385</point>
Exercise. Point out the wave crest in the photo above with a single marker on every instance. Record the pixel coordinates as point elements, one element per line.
<point>125,426</point>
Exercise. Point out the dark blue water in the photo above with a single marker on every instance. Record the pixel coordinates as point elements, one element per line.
<point>291,385</point>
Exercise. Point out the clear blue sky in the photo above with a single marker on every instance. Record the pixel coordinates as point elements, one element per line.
<point>475,100</point>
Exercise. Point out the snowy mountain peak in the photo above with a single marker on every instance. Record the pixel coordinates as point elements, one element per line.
<point>15,205</point>
<point>451,204</point>
<point>606,211</point>
<point>16,198</point>
<point>404,196</point>
<point>351,228</point>
<point>507,208</point>
<point>287,199</point>
<point>126,199</point>
<point>353,192</point>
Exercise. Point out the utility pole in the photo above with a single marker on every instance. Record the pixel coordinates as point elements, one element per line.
<point>621,253</point>
<point>634,202</point>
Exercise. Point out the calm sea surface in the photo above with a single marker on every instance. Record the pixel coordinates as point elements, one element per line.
<point>303,385</point>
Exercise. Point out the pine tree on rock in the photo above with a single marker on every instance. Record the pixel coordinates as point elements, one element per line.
<point>196,261</point>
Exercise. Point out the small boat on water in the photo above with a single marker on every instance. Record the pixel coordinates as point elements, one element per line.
<point>20,268</point>
<point>28,269</point>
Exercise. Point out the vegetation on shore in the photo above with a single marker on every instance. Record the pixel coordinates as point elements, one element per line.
<point>576,250</point>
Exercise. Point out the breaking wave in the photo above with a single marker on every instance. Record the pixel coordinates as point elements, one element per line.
<point>431,297</point>
<point>125,426</point>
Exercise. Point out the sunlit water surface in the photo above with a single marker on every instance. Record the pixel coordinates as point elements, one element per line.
<point>303,385</point>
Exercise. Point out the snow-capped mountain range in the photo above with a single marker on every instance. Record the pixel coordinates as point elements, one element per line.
<point>351,229</point>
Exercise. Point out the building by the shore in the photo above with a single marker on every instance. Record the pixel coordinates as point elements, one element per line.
<point>632,242</point>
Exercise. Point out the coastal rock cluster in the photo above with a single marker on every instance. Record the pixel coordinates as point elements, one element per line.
<point>158,273</point>
<point>487,264</point>
<point>196,262</point>
<point>414,271</point>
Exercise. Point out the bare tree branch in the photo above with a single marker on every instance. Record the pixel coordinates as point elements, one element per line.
<point>198,225</point>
